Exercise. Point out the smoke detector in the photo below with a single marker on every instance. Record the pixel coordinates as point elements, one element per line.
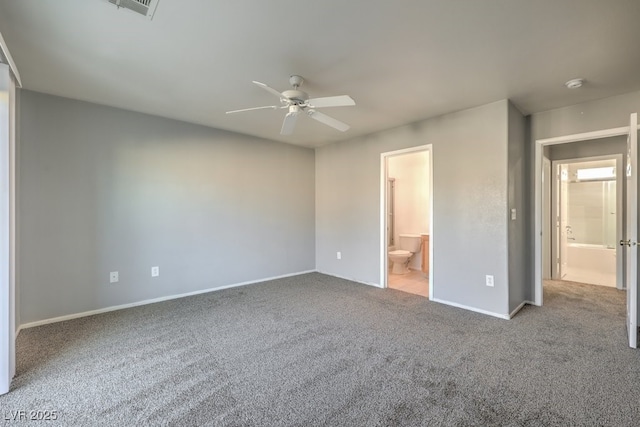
<point>574,83</point>
<point>143,7</point>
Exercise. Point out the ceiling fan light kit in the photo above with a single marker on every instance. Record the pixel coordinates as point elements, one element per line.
<point>298,101</point>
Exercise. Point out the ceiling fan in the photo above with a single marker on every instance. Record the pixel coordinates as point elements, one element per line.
<point>297,101</point>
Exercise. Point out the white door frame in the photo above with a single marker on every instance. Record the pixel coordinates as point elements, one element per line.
<point>8,330</point>
<point>547,269</point>
<point>619,211</point>
<point>539,148</point>
<point>7,228</point>
<point>384,257</point>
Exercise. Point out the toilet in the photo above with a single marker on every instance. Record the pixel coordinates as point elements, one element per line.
<point>409,244</point>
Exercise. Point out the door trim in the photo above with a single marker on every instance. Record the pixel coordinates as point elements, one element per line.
<point>7,230</point>
<point>384,258</point>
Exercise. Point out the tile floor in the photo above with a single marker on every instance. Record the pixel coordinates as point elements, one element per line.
<point>591,277</point>
<point>414,282</point>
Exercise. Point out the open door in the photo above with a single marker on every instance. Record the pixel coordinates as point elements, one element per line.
<point>631,242</point>
<point>566,232</point>
<point>7,296</point>
<point>9,80</point>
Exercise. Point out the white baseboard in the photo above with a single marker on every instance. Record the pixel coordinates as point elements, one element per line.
<point>517,309</point>
<point>151,301</point>
<point>377,285</point>
<point>477,310</point>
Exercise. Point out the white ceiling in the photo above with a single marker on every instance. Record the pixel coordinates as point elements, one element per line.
<point>402,61</point>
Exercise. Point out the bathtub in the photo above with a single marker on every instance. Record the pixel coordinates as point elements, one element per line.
<point>594,264</point>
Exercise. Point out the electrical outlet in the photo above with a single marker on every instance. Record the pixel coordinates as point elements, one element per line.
<point>155,271</point>
<point>489,280</point>
<point>338,255</point>
<point>113,277</point>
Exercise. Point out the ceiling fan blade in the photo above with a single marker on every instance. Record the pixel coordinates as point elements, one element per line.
<point>331,101</point>
<point>268,89</point>
<point>329,121</point>
<point>271,107</point>
<point>289,123</point>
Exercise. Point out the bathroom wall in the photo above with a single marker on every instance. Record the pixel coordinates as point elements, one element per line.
<point>103,189</point>
<point>411,173</point>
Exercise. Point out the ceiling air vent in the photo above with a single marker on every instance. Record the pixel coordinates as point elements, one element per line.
<point>143,7</point>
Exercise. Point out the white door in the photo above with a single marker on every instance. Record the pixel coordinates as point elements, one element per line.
<point>631,241</point>
<point>7,318</point>
<point>566,233</point>
<point>549,267</point>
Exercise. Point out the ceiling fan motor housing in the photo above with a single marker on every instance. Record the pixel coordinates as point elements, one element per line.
<point>297,96</point>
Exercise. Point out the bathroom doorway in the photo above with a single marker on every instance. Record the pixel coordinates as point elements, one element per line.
<point>406,220</point>
<point>587,211</point>
<point>629,240</point>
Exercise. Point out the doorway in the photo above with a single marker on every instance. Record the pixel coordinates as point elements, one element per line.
<point>587,214</point>
<point>630,240</point>
<point>406,220</point>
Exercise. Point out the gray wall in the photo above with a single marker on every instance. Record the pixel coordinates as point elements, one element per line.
<point>591,116</point>
<point>591,148</point>
<point>469,229</point>
<point>602,114</point>
<point>518,273</point>
<point>103,189</point>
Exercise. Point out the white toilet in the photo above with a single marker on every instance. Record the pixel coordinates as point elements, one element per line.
<point>409,244</point>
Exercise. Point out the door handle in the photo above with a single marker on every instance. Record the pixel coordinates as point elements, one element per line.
<point>627,243</point>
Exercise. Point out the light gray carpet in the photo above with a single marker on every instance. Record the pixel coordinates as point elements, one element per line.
<point>317,350</point>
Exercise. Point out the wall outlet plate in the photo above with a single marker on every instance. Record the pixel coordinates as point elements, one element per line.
<point>155,271</point>
<point>338,255</point>
<point>489,280</point>
<point>113,277</point>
